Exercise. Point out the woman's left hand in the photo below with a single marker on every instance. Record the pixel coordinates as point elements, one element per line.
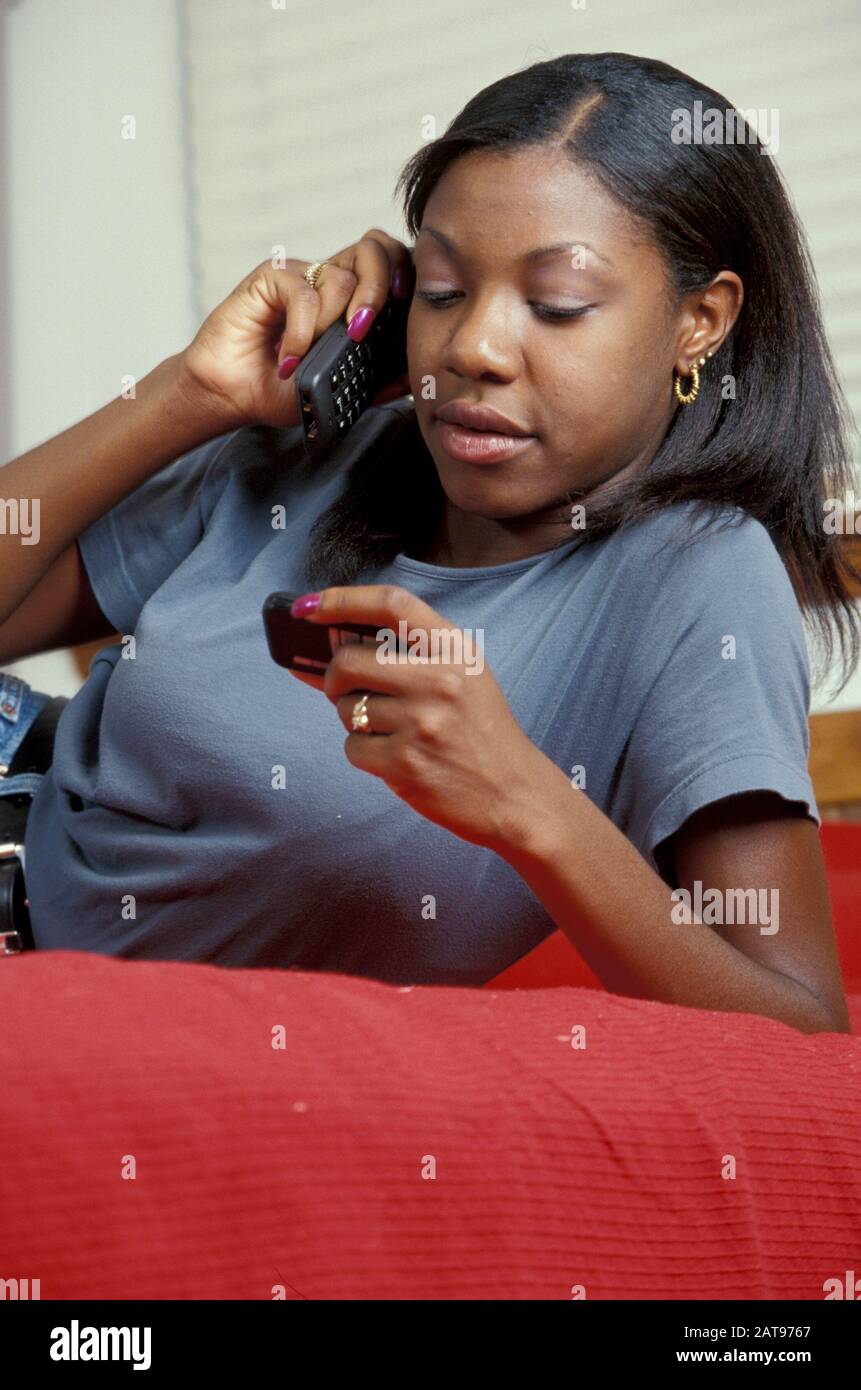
<point>443,737</point>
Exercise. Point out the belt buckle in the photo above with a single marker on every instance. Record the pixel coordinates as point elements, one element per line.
<point>11,941</point>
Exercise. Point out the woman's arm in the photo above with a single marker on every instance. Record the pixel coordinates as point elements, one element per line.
<point>225,379</point>
<point>80,474</point>
<point>61,610</point>
<point>619,913</point>
<point>447,744</point>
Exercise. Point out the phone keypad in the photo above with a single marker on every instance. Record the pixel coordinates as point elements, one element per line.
<point>351,386</point>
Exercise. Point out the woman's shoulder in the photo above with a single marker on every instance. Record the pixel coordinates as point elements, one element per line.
<point>702,548</point>
<point>710,611</point>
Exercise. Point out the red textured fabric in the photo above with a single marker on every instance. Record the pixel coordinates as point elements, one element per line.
<point>556,1167</point>
<point>841,847</point>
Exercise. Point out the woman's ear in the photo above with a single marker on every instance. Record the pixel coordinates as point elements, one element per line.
<point>708,317</point>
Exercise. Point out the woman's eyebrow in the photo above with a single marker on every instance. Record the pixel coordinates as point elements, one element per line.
<point>539,253</point>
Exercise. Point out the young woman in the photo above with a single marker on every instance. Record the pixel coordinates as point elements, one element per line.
<point>625,424</point>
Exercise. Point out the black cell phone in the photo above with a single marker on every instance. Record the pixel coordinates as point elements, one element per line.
<point>306,647</point>
<point>337,380</point>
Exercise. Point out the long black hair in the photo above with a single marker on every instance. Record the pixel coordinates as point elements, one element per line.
<point>777,450</point>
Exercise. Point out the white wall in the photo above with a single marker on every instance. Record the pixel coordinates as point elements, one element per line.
<point>97,247</point>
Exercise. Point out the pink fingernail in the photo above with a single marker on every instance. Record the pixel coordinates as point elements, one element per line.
<point>361,322</point>
<point>306,603</point>
<point>288,366</point>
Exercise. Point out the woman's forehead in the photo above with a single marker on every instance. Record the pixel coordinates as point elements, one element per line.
<point>483,209</point>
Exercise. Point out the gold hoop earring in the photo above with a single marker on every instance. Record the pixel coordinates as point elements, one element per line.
<point>687,399</point>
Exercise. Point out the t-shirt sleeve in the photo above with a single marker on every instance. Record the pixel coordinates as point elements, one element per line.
<point>727,702</point>
<point>132,549</point>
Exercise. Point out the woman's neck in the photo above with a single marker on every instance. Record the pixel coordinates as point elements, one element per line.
<point>466,541</point>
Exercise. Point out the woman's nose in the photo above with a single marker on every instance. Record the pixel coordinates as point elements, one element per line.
<point>482,342</point>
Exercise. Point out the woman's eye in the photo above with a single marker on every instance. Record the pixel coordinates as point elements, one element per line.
<point>438,297</point>
<point>546,311</point>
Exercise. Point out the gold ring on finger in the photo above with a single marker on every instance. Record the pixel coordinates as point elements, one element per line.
<point>313,272</point>
<point>360,722</point>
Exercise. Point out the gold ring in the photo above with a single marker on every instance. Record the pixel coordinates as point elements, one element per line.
<point>313,272</point>
<point>361,722</point>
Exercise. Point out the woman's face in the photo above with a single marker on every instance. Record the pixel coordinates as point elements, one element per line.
<point>595,389</point>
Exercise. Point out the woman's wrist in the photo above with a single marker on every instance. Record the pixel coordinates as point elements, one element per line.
<point>206,412</point>
<point>529,818</point>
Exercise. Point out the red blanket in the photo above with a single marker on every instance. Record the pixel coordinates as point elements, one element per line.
<point>412,1144</point>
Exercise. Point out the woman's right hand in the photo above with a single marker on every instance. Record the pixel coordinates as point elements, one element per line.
<point>235,365</point>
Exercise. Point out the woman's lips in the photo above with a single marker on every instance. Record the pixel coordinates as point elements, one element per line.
<point>480,446</point>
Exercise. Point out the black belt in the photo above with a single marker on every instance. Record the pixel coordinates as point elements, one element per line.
<point>35,754</point>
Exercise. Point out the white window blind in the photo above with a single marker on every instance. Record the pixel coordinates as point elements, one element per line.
<point>299,119</point>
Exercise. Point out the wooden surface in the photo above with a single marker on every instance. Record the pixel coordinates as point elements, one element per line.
<point>835,763</point>
<point>83,655</point>
<point>853,548</point>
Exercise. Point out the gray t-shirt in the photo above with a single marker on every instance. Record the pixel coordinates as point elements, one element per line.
<point>673,676</point>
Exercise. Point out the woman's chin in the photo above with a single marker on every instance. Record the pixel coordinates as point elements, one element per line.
<point>491,496</point>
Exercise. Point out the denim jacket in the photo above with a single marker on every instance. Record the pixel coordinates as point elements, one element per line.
<point>19,706</point>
